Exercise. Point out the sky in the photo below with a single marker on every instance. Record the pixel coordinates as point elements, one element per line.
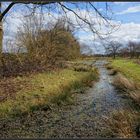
<point>125,16</point>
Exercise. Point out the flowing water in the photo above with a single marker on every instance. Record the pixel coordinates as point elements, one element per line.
<point>84,118</point>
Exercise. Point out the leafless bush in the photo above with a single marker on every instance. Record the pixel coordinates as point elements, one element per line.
<point>112,48</point>
<point>38,47</point>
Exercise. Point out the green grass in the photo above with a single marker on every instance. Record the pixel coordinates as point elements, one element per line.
<point>128,68</point>
<point>46,88</point>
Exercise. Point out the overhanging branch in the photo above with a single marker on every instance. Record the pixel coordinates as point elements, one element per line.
<point>13,3</point>
<point>6,10</point>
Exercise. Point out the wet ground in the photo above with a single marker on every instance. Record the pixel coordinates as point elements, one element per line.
<point>84,118</point>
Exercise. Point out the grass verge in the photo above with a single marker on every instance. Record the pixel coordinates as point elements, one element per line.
<point>126,124</point>
<point>128,68</point>
<point>47,88</point>
<point>128,78</point>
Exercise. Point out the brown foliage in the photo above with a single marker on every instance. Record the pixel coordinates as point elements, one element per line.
<point>41,47</point>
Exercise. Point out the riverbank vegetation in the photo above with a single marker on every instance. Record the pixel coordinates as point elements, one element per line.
<point>130,69</point>
<point>40,48</point>
<point>44,88</point>
<point>126,66</point>
<point>127,82</point>
<point>128,78</point>
<point>47,67</point>
<point>44,75</point>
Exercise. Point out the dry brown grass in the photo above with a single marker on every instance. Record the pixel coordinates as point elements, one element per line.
<point>123,83</point>
<point>135,95</point>
<point>109,67</point>
<point>113,72</point>
<point>131,88</point>
<point>82,68</point>
<point>77,66</point>
<point>137,61</point>
<point>11,85</point>
<point>123,124</point>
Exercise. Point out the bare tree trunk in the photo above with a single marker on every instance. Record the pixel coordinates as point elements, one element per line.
<point>1,44</point>
<point>0,40</point>
<point>114,55</point>
<point>0,33</point>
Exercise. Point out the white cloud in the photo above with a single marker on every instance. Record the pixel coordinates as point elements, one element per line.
<point>121,3</point>
<point>126,32</point>
<point>133,9</point>
<point>14,20</point>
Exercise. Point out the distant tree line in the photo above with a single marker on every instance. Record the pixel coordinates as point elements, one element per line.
<point>131,49</point>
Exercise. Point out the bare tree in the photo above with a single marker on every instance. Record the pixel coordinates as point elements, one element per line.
<point>138,50</point>
<point>84,21</point>
<point>1,38</point>
<point>47,45</point>
<point>124,52</point>
<point>131,46</point>
<point>113,48</point>
<point>134,49</point>
<point>64,8</point>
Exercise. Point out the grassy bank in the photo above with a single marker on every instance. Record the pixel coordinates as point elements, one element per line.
<point>128,68</point>
<point>46,88</point>
<point>128,78</point>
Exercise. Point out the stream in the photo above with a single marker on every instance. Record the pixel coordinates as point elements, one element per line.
<point>84,118</point>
